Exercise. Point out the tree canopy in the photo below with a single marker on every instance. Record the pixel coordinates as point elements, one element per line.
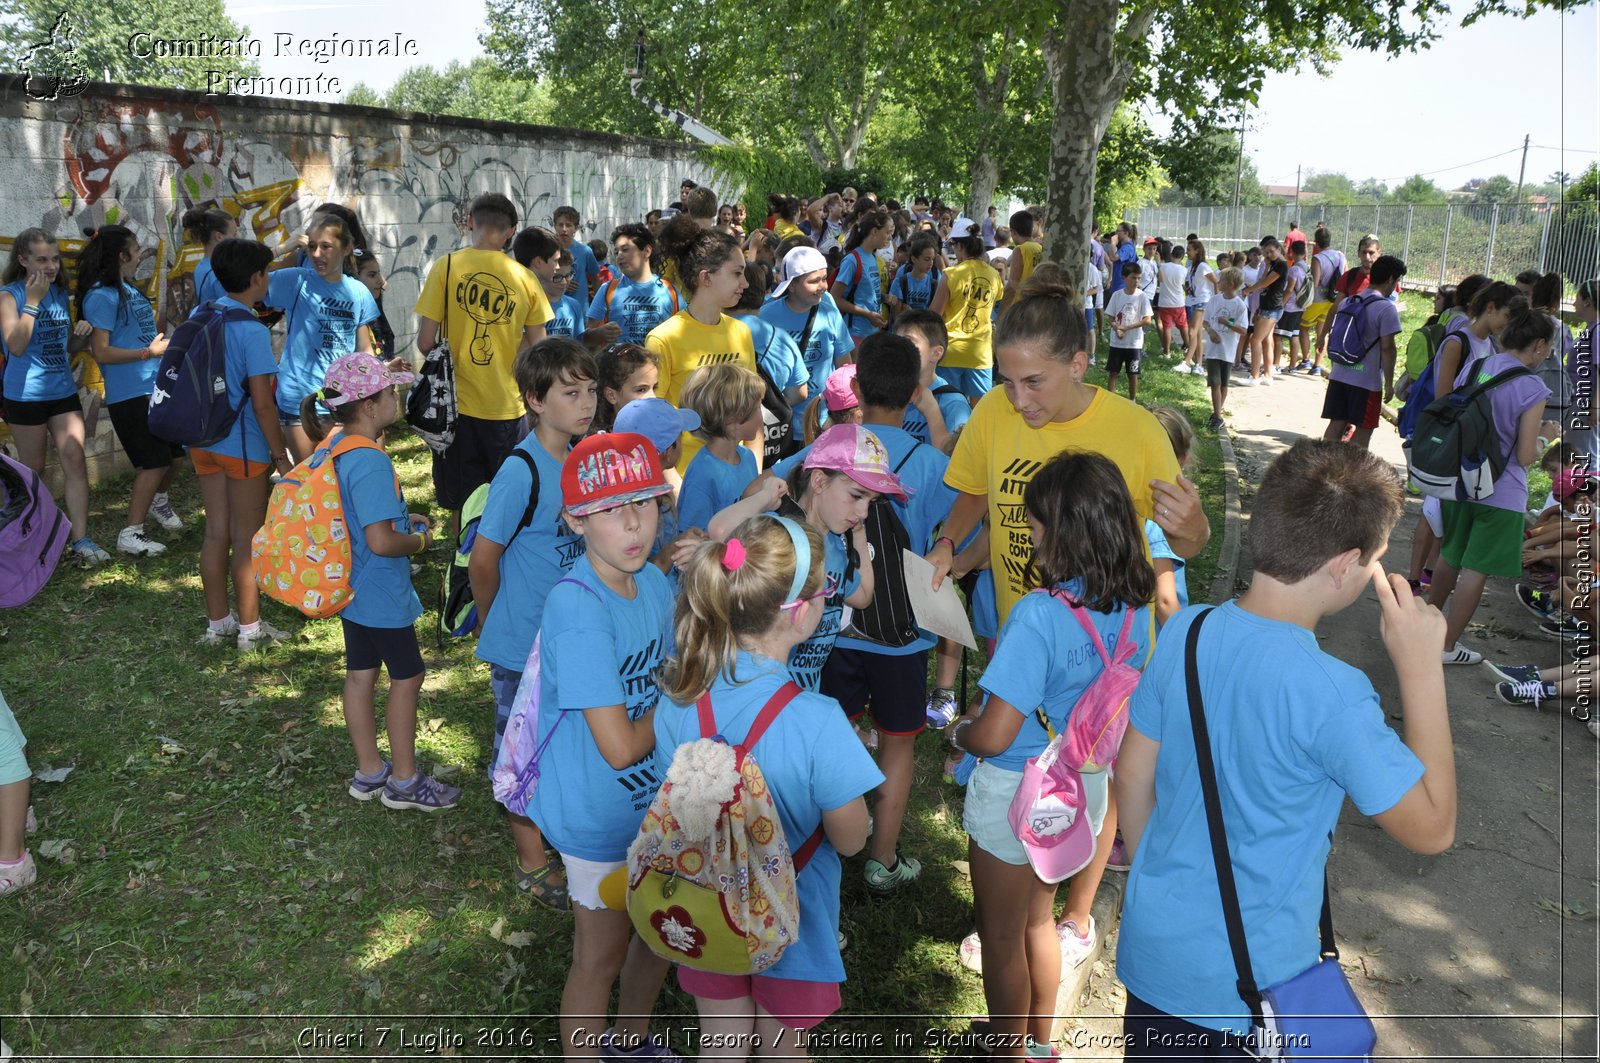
<point>96,39</point>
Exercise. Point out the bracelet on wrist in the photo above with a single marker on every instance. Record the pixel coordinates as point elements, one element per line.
<point>32,309</point>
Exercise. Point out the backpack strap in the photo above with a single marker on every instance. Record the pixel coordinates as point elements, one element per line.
<point>533,498</point>
<point>671,288</point>
<point>611,293</point>
<point>805,335</point>
<point>855,283</point>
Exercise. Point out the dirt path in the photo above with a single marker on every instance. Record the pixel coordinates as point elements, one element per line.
<point>1489,949</point>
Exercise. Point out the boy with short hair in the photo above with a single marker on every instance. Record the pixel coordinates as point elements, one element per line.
<point>547,260</point>
<point>1287,752</point>
<point>484,343</point>
<point>635,301</point>
<point>1128,313</point>
<point>939,410</point>
<point>513,564</point>
<point>585,268</point>
<point>1356,393</point>
<point>1225,313</point>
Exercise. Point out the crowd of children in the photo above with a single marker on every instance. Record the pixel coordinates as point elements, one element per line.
<point>682,479</point>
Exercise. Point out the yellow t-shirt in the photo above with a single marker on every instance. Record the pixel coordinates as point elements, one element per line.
<point>684,345</point>
<point>492,299</point>
<point>783,228</point>
<point>998,454</point>
<point>1030,253</point>
<point>969,315</point>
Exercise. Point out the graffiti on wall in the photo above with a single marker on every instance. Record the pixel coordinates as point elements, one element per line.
<point>142,163</point>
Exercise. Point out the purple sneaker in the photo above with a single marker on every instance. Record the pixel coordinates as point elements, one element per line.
<point>653,1050</point>
<point>364,789</point>
<point>425,794</point>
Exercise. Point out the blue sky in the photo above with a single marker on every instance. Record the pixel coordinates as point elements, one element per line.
<point>1474,94</point>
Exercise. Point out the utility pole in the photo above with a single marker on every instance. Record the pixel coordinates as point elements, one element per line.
<point>1523,172</point>
<point>1238,176</point>
<point>1297,192</point>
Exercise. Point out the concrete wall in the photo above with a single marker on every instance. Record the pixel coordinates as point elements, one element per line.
<point>140,157</point>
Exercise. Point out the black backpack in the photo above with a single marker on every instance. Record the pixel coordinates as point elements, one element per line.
<point>777,418</point>
<point>1455,450</point>
<point>889,620</point>
<point>458,610</point>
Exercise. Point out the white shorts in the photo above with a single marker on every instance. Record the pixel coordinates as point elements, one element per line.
<point>584,878</point>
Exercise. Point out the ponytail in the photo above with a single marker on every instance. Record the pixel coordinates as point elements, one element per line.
<point>318,427</point>
<point>693,249</point>
<point>1497,294</point>
<point>100,261</point>
<point>811,422</point>
<point>733,592</point>
<point>1526,327</point>
<point>869,222</point>
<point>1546,294</point>
<point>311,419</point>
<point>205,221</point>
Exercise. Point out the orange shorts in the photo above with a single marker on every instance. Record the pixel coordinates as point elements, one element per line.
<point>207,462</point>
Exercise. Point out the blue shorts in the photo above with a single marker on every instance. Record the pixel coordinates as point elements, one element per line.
<point>13,764</point>
<point>973,383</point>
<point>1270,315</point>
<point>1088,313</point>
<point>503,682</point>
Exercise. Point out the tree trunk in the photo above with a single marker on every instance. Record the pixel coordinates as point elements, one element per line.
<point>1087,78</point>
<point>984,173</point>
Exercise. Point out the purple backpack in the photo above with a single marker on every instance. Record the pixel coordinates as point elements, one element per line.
<point>33,533</point>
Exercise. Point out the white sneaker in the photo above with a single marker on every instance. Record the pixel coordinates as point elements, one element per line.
<point>971,952</point>
<point>1075,946</point>
<point>1461,655</point>
<point>1197,369</point>
<point>89,552</point>
<point>163,513</point>
<point>20,875</point>
<point>132,540</point>
<point>1244,382</point>
<point>264,635</point>
<point>216,637</point>
<point>1265,380</point>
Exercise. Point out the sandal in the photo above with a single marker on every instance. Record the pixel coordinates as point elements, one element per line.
<point>537,884</point>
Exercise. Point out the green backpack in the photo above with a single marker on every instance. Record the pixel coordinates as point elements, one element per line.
<point>458,611</point>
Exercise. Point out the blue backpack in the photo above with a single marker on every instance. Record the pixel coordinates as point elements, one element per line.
<point>189,405</point>
<point>1423,390</point>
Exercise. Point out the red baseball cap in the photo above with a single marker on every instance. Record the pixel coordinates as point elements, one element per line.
<point>609,470</point>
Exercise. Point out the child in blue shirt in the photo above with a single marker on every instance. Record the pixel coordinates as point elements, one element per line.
<point>379,622</point>
<point>1290,742</point>
<point>604,635</point>
<point>129,349</point>
<point>541,255</point>
<point>329,314</point>
<point>749,603</point>
<point>858,286</point>
<point>233,471</point>
<point>938,411</point>
<point>727,399</point>
<point>663,424</point>
<point>208,226</point>
<point>524,554</point>
<point>1172,581</point>
<point>40,396</point>
<point>916,281</point>
<point>1088,547</point>
<point>801,306</point>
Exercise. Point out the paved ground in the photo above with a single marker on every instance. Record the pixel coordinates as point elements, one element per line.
<point>1489,949</point>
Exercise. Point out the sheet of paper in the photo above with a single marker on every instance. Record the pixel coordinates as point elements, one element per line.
<point>939,611</point>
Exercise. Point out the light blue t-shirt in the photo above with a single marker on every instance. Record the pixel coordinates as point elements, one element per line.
<point>636,308</point>
<point>813,763</point>
<point>207,288</point>
<point>249,354</point>
<point>777,352</point>
<point>1159,547</point>
<point>921,469</point>
<point>1045,657</point>
<point>384,596</point>
<point>868,294</point>
<point>829,340</point>
<point>566,318</point>
<point>598,649</point>
<point>321,326</point>
<point>40,373</point>
<point>806,659</point>
<point>1290,741</point>
<point>585,270</point>
<point>127,316</point>
<point>953,405</point>
<point>916,294</point>
<point>710,485</point>
<point>534,559</point>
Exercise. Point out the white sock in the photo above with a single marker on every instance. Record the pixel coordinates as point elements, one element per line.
<point>249,629</point>
<point>223,624</point>
<point>137,529</point>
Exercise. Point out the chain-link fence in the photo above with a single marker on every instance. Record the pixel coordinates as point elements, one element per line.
<point>1440,244</point>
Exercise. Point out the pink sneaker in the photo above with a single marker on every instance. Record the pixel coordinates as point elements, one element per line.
<point>1119,856</point>
<point>1075,944</point>
<point>17,876</point>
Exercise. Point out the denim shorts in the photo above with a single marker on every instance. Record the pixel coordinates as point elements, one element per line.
<point>973,383</point>
<point>1270,315</point>
<point>986,814</point>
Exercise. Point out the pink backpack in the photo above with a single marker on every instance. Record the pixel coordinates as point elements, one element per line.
<point>1100,718</point>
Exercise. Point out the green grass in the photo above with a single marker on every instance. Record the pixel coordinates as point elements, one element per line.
<point>222,877</point>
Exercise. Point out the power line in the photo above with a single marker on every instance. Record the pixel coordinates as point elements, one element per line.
<point>1574,151</point>
<point>1458,166</point>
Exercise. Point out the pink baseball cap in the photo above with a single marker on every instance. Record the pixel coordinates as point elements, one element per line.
<point>353,377</point>
<point>1567,483</point>
<point>836,393</point>
<point>1050,815</point>
<point>860,455</point>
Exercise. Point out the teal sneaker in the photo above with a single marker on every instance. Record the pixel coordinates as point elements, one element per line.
<point>886,880</point>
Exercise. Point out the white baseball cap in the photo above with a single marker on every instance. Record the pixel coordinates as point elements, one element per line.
<point>797,263</point>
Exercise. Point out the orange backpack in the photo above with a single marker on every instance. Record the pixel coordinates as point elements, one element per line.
<point>302,553</point>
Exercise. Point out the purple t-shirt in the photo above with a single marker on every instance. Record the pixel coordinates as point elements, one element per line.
<point>1474,348</point>
<point>1383,319</point>
<point>1509,402</point>
<point>1297,279</point>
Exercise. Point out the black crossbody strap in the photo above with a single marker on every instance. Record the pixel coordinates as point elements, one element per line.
<point>1232,917</point>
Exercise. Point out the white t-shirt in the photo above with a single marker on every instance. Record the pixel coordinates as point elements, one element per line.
<point>1093,287</point>
<point>1125,309</point>
<point>1222,312</point>
<point>1000,258</point>
<point>1171,284</point>
<point>1200,276</point>
<point>1148,268</point>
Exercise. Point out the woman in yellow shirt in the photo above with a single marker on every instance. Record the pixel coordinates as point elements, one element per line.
<point>700,334</point>
<point>784,209</point>
<point>966,296</point>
